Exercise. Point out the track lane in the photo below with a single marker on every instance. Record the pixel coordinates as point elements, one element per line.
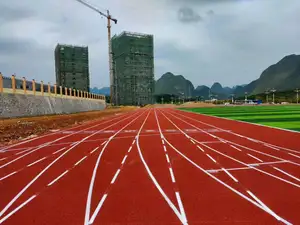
<point>254,182</point>
<point>135,190</point>
<point>108,171</point>
<point>271,136</point>
<point>241,148</point>
<point>132,196</point>
<point>43,177</point>
<point>20,160</point>
<point>207,201</point>
<point>72,169</point>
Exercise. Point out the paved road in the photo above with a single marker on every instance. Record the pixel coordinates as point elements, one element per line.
<point>153,166</point>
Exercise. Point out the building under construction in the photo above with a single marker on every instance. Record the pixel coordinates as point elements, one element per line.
<point>72,67</point>
<point>133,69</point>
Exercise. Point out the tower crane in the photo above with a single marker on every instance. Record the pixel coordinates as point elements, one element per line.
<point>109,19</point>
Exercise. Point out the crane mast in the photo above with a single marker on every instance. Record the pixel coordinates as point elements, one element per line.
<point>113,98</point>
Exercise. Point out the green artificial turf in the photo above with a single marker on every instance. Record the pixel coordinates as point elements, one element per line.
<point>287,117</point>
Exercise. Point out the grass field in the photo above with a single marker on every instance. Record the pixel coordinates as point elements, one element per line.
<point>287,117</point>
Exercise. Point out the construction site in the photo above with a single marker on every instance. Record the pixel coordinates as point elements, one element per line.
<point>133,69</point>
<point>72,66</point>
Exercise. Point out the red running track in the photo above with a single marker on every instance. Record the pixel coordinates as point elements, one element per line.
<point>153,166</point>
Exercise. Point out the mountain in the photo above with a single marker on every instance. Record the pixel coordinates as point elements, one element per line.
<point>174,85</point>
<point>202,91</point>
<point>218,91</point>
<point>284,75</point>
<point>217,88</point>
<point>101,91</point>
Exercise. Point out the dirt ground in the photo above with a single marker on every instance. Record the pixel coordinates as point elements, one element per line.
<point>14,130</point>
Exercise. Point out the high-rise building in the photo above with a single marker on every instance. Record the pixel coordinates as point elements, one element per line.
<point>133,69</point>
<point>72,67</point>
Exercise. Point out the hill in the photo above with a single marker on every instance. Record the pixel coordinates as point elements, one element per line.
<point>202,91</point>
<point>284,75</point>
<point>101,91</point>
<point>174,85</point>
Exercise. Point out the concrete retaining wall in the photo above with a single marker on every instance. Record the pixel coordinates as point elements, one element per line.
<point>19,105</point>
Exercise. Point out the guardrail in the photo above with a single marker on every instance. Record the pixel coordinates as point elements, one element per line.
<point>22,86</point>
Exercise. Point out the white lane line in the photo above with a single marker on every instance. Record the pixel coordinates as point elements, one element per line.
<point>294,155</point>
<point>59,150</point>
<point>181,208</point>
<point>221,182</point>
<point>172,175</point>
<point>255,157</point>
<point>29,139</point>
<point>56,179</point>
<point>2,178</point>
<point>47,167</point>
<point>234,159</point>
<point>200,148</point>
<point>167,157</point>
<point>172,206</point>
<point>90,191</point>
<point>37,176</point>
<point>26,150</point>
<point>263,153</point>
<point>6,164</point>
<point>123,161</point>
<point>230,132</point>
<point>270,146</point>
<point>192,141</point>
<point>115,176</point>
<point>263,205</point>
<point>210,142</point>
<point>223,141</point>
<point>211,158</point>
<point>230,175</point>
<point>91,221</point>
<point>94,150</point>
<point>129,149</point>
<point>31,164</point>
<point>163,142</point>
<point>267,163</point>
<point>74,143</point>
<point>133,142</point>
<point>103,143</point>
<point>251,139</point>
<point>3,158</point>
<point>232,146</point>
<point>17,209</point>
<point>80,160</point>
<point>58,139</point>
<point>290,175</point>
<point>165,149</point>
<point>262,171</point>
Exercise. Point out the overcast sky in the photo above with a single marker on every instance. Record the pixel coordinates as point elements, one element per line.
<point>229,41</point>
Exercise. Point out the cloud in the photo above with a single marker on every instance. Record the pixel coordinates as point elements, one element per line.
<point>229,41</point>
<point>188,15</point>
<point>10,14</point>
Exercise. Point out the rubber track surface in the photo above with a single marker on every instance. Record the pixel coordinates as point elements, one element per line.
<point>153,166</point>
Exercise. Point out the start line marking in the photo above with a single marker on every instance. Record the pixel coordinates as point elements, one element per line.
<point>146,131</point>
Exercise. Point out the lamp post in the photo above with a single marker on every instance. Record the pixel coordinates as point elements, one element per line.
<point>232,98</point>
<point>297,96</point>
<point>273,91</point>
<point>267,95</point>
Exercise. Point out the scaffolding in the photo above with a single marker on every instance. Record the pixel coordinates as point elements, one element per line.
<point>133,68</point>
<point>72,66</point>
